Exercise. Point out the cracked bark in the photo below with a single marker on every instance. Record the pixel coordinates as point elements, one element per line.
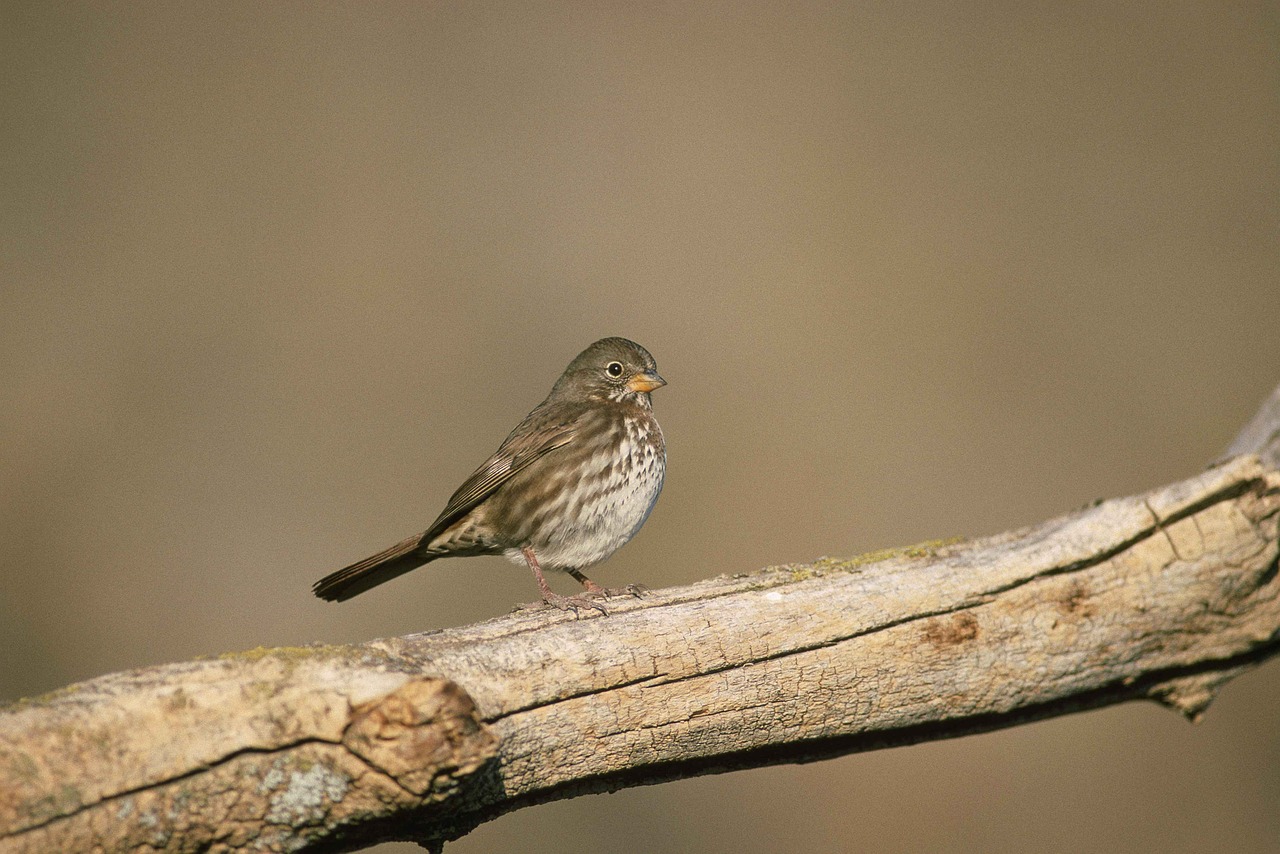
<point>1165,596</point>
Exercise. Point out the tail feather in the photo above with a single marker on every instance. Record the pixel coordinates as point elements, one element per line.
<point>372,571</point>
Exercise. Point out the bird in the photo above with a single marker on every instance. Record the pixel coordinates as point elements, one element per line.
<point>572,484</point>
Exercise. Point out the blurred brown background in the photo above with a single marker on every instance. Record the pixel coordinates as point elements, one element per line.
<point>276,277</point>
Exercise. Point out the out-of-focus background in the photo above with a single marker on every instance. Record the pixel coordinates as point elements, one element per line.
<point>276,277</point>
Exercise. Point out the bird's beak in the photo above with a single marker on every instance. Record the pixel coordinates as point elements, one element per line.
<point>647,381</point>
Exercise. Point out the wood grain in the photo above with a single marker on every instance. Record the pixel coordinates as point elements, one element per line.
<point>1164,596</point>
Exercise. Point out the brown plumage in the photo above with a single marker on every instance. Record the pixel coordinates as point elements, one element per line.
<point>571,485</point>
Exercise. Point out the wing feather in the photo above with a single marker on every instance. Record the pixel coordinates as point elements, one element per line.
<point>517,453</point>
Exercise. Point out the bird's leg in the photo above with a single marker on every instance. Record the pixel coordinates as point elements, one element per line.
<point>593,589</point>
<point>591,586</point>
<point>532,559</point>
<point>564,603</point>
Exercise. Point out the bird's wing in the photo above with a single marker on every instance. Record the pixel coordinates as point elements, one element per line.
<point>517,452</point>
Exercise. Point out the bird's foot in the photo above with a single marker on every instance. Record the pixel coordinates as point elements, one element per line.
<point>635,590</point>
<point>573,603</point>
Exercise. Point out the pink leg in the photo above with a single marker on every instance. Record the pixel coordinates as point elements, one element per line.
<point>590,585</point>
<point>593,589</point>
<point>564,603</point>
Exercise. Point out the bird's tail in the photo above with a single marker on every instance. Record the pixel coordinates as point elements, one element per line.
<point>372,571</point>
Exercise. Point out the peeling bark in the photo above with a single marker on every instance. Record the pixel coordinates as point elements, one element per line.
<point>1164,596</point>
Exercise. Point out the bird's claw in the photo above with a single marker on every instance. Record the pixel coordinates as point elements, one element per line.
<point>637,591</point>
<point>574,603</point>
<point>589,598</point>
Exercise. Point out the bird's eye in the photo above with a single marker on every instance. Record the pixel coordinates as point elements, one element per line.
<point>614,369</point>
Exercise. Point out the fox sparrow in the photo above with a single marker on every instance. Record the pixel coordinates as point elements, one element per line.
<point>569,487</point>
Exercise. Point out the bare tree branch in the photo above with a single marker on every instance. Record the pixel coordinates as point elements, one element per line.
<point>1165,595</point>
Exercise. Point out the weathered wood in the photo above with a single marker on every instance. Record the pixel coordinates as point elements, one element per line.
<point>1165,595</point>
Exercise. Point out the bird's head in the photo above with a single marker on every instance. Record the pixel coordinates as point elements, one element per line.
<point>611,369</point>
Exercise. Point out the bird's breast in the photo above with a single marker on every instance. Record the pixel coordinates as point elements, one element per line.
<point>599,492</point>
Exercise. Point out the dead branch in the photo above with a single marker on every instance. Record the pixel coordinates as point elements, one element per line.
<point>1165,596</point>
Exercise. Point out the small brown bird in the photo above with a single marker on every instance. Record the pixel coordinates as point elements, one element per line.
<point>570,486</point>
